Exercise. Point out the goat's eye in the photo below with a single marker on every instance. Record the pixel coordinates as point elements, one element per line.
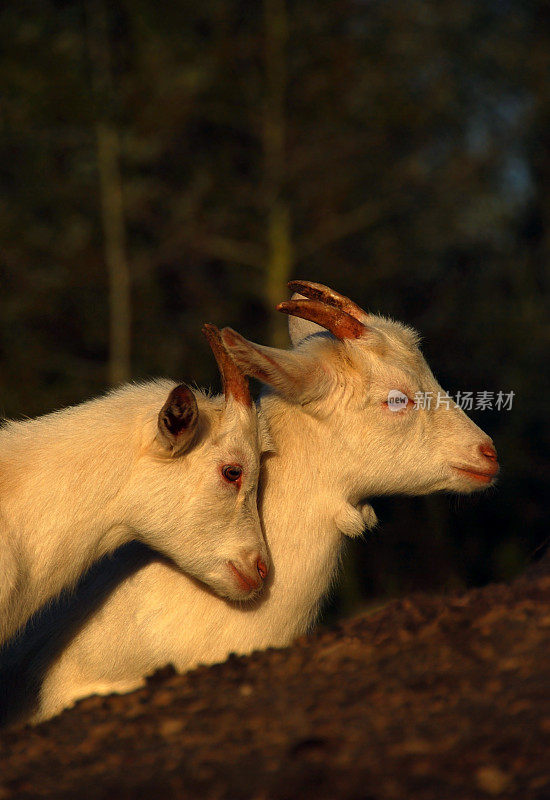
<point>232,473</point>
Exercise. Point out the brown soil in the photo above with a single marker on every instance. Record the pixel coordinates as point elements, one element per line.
<point>428,699</point>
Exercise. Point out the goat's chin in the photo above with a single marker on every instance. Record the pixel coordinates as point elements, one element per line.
<point>239,595</point>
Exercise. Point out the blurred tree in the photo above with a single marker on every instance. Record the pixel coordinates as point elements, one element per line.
<point>110,186</point>
<point>279,222</point>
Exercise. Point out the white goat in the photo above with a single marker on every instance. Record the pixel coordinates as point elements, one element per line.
<point>154,462</point>
<point>336,443</point>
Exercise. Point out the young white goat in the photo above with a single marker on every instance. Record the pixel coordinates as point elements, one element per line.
<point>154,462</point>
<point>336,443</point>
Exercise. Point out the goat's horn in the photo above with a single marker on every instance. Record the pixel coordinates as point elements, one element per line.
<point>338,322</point>
<point>234,382</point>
<point>317,291</point>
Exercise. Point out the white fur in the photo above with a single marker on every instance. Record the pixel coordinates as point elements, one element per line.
<point>336,445</point>
<point>78,483</point>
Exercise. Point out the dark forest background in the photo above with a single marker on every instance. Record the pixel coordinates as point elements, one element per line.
<point>167,164</point>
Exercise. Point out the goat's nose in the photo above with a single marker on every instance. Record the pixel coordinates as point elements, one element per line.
<point>488,451</point>
<point>261,566</point>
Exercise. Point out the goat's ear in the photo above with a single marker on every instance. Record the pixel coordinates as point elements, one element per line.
<point>298,328</point>
<point>177,420</point>
<point>296,376</point>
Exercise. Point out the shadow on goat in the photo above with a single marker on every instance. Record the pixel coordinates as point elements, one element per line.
<point>25,660</point>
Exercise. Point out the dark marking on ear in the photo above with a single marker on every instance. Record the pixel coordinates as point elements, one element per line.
<point>177,420</point>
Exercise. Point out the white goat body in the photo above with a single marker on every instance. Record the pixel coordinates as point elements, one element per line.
<point>335,444</point>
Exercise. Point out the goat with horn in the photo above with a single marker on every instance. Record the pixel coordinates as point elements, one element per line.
<point>336,444</point>
<point>158,462</point>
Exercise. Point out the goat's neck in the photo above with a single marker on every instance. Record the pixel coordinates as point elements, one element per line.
<point>302,504</point>
<point>59,507</point>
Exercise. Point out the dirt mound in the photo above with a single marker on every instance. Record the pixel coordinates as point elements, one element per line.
<point>429,698</point>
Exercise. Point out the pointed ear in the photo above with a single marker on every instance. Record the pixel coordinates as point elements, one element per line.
<point>297,376</point>
<point>299,329</point>
<point>177,420</point>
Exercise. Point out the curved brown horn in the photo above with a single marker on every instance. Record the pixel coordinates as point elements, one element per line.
<point>338,322</point>
<point>233,380</point>
<point>317,291</point>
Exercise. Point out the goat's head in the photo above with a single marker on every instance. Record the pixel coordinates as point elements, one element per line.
<point>203,466</point>
<point>344,379</point>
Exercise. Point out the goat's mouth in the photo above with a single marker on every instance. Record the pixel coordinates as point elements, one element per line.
<point>246,582</point>
<point>481,476</point>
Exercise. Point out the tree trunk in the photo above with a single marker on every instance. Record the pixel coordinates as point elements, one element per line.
<point>279,224</point>
<point>114,233</point>
<point>111,197</point>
